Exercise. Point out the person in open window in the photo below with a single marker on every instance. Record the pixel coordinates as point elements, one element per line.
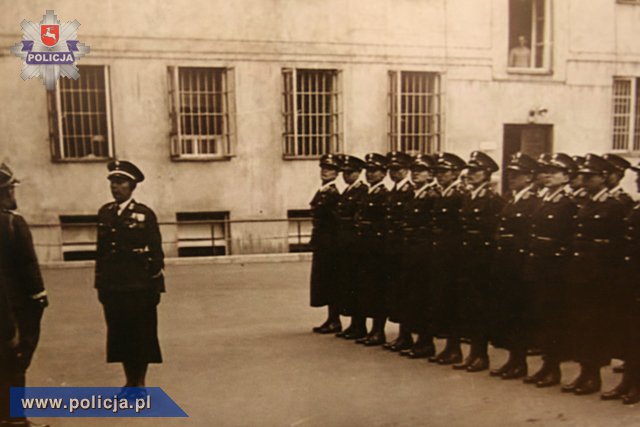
<point>520,56</point>
<point>129,275</point>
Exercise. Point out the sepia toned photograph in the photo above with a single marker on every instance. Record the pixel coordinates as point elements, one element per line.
<point>320,213</point>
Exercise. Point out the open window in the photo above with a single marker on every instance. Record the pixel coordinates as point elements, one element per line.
<point>529,35</point>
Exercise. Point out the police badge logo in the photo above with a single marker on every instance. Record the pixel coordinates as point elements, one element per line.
<point>49,34</point>
<point>49,49</point>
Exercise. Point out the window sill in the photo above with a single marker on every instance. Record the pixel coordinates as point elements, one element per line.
<point>290,157</point>
<point>83,160</point>
<point>224,158</point>
<point>530,71</point>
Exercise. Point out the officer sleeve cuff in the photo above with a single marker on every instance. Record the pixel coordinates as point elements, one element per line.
<point>158,274</point>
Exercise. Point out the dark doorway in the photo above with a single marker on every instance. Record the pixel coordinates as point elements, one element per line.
<point>530,139</point>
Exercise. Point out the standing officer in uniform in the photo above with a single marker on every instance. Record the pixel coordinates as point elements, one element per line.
<point>324,277</point>
<point>349,204</point>
<point>620,165</point>
<point>575,188</point>
<point>596,255</point>
<point>397,199</point>
<point>627,334</point>
<point>445,257</point>
<point>417,303</point>
<point>540,178</point>
<point>370,223</point>
<point>129,275</point>
<point>511,294</point>
<point>23,297</point>
<point>479,216</point>
<point>552,228</point>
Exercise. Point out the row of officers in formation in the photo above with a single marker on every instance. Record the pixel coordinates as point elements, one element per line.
<point>552,268</point>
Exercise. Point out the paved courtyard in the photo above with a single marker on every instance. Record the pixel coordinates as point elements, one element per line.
<point>238,352</point>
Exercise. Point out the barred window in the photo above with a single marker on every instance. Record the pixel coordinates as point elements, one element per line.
<point>80,116</point>
<point>203,234</point>
<point>415,112</point>
<point>202,113</point>
<point>626,114</point>
<point>530,34</point>
<point>312,118</point>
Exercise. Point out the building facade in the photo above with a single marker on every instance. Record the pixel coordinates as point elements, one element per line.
<point>226,106</point>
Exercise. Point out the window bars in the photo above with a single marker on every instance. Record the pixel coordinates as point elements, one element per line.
<point>415,112</point>
<point>80,116</point>
<point>202,112</point>
<point>626,114</point>
<point>312,117</point>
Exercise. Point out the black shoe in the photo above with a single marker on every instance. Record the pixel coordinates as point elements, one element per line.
<point>344,332</point>
<point>532,379</point>
<point>619,368</point>
<point>464,364</point>
<point>498,372</point>
<point>479,364</point>
<point>549,379</point>
<point>591,385</point>
<point>516,371</point>
<point>331,328</point>
<point>317,329</point>
<point>422,352</point>
<point>633,396</point>
<point>375,339</point>
<point>402,344</point>
<point>363,339</point>
<point>355,334</point>
<point>405,352</point>
<point>437,357</point>
<point>451,358</point>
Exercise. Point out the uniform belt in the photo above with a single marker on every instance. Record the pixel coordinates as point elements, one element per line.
<point>546,239</point>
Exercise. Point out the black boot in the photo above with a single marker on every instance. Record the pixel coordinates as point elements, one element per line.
<point>518,368</point>
<point>450,355</point>
<point>423,347</point>
<point>546,366</point>
<point>591,384</point>
<point>404,340</point>
<point>504,368</point>
<point>358,328</point>
<point>481,360</point>
<point>377,336</point>
<point>332,325</point>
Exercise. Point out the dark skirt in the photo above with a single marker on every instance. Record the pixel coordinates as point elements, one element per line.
<point>444,266</point>
<point>395,275</point>
<point>592,307</point>
<point>324,277</point>
<point>510,296</point>
<point>417,304</point>
<point>474,306</point>
<point>371,278</point>
<point>132,326</point>
<point>546,316</point>
<point>347,277</point>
